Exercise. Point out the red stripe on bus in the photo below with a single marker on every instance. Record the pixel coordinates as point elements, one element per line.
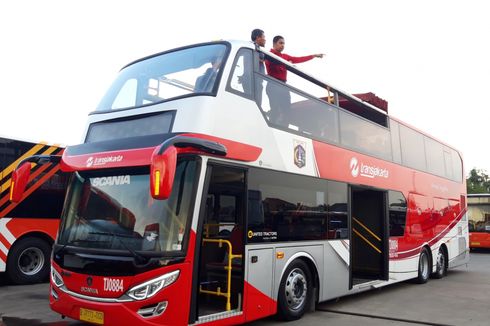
<point>124,158</point>
<point>142,156</point>
<point>235,150</point>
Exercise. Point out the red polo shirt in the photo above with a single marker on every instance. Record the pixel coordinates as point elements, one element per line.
<point>278,70</point>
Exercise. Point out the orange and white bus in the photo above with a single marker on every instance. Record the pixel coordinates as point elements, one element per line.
<point>28,228</point>
<point>479,220</point>
<point>193,202</point>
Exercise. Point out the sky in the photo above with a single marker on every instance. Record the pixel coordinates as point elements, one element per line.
<point>430,59</point>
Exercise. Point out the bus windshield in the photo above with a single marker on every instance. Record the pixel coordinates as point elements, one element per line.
<point>162,77</point>
<point>479,217</point>
<point>115,211</point>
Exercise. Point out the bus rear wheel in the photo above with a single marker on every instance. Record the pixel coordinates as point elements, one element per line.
<point>424,267</point>
<point>29,261</point>
<point>441,264</point>
<point>294,291</point>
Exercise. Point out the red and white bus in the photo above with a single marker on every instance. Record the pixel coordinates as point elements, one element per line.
<point>479,220</point>
<point>28,228</point>
<point>193,202</point>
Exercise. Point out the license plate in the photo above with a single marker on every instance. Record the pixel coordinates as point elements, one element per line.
<point>92,316</point>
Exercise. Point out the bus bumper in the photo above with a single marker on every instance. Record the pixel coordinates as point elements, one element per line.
<point>124,313</point>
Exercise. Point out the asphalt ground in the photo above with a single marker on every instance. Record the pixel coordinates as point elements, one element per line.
<point>461,298</point>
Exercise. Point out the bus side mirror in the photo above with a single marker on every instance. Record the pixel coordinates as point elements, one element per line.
<point>162,172</point>
<point>20,178</point>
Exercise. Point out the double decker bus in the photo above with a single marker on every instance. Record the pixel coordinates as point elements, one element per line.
<point>193,201</point>
<point>479,220</point>
<point>28,228</point>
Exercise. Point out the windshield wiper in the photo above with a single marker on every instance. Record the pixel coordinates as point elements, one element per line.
<point>89,241</point>
<point>140,259</point>
<point>111,233</point>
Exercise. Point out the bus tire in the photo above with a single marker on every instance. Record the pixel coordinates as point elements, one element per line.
<point>424,267</point>
<point>295,291</point>
<point>29,261</point>
<point>441,264</point>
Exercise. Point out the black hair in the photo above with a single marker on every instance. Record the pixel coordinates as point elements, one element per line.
<point>256,33</point>
<point>277,38</point>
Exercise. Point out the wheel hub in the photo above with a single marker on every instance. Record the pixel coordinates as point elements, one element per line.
<point>296,289</point>
<point>31,261</point>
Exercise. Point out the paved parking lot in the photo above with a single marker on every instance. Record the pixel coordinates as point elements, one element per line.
<point>462,298</point>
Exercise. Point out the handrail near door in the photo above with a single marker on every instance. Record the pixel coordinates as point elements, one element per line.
<point>228,267</point>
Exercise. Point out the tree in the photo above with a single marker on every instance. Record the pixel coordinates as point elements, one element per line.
<point>478,182</point>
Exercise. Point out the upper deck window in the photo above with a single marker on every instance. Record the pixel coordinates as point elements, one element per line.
<point>182,72</point>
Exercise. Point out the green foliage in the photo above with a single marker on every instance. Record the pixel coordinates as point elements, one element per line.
<point>478,182</point>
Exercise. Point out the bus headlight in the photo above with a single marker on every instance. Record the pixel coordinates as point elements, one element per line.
<point>150,288</point>
<point>56,278</point>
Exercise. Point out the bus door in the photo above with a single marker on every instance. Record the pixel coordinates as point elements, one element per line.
<point>369,235</point>
<point>219,292</point>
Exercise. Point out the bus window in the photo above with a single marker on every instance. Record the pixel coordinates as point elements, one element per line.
<point>224,203</point>
<point>293,207</point>
<point>286,108</point>
<point>398,213</point>
<point>255,208</point>
<point>412,143</point>
<point>241,80</point>
<point>166,76</point>
<point>435,156</point>
<point>448,164</point>
<point>457,166</point>
<point>395,141</point>
<point>365,136</point>
<point>338,227</point>
<point>127,95</point>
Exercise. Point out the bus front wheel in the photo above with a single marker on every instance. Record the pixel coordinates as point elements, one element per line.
<point>28,261</point>
<point>295,291</point>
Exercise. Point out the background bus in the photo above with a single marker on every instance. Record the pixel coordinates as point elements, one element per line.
<point>479,220</point>
<point>28,228</point>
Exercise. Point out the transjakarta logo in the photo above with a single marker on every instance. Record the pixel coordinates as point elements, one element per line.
<point>367,171</point>
<point>111,181</point>
<point>97,161</point>
<point>354,167</point>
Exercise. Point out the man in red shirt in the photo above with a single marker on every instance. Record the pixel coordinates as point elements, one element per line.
<point>279,95</point>
<point>278,70</point>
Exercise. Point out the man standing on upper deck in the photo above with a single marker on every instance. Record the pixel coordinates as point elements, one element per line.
<point>258,37</point>
<point>279,95</point>
<point>278,70</point>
